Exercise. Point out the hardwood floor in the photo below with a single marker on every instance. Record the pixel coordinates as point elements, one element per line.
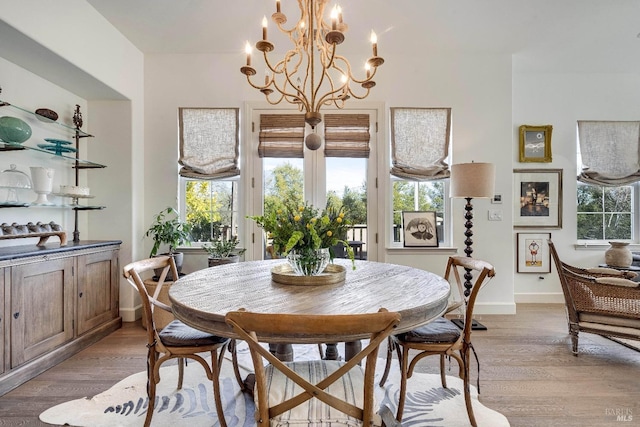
<point>527,372</point>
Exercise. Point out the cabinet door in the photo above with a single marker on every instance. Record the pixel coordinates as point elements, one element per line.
<point>41,308</point>
<point>4,322</point>
<point>98,289</point>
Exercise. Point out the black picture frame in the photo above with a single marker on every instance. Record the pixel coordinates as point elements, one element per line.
<point>419,229</point>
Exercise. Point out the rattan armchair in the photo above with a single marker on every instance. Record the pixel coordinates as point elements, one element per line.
<point>599,301</point>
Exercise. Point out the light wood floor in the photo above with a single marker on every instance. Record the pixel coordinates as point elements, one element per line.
<point>527,373</point>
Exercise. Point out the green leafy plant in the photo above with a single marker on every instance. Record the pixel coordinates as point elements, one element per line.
<point>305,228</point>
<point>167,228</point>
<point>223,248</point>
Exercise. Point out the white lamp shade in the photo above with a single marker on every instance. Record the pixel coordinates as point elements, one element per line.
<point>475,180</point>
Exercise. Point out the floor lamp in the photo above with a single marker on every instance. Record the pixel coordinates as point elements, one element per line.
<point>471,181</point>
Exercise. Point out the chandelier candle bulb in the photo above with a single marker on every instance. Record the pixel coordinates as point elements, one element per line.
<point>264,28</point>
<point>374,43</point>
<point>247,49</point>
<point>334,18</point>
<point>278,6</point>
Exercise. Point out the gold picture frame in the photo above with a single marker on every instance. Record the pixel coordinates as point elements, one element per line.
<point>535,144</point>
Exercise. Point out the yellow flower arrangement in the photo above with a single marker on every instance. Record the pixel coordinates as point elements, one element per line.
<point>305,229</point>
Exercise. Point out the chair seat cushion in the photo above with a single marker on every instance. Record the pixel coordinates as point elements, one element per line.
<point>315,412</point>
<point>177,334</point>
<point>440,330</point>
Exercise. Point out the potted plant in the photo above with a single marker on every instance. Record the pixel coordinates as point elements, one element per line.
<point>167,228</point>
<point>223,251</point>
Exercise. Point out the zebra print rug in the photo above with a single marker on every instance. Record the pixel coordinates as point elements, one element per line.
<point>124,404</point>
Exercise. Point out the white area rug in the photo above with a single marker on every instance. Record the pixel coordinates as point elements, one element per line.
<point>428,404</point>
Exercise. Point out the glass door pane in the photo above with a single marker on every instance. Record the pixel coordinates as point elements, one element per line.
<point>346,180</point>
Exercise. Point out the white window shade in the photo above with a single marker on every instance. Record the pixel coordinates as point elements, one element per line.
<point>281,135</point>
<point>346,135</point>
<point>209,142</point>
<point>420,143</point>
<point>609,151</point>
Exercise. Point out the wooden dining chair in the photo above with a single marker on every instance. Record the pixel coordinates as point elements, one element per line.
<point>176,340</point>
<point>315,392</point>
<point>442,337</point>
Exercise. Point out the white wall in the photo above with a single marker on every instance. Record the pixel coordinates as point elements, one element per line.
<point>561,100</point>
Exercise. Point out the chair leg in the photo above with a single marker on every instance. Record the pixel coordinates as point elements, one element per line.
<point>467,391</point>
<point>151,385</point>
<point>216,388</point>
<point>404,368</point>
<point>443,376</point>
<point>234,360</point>
<point>180,372</point>
<point>320,351</point>
<point>573,330</point>
<point>387,366</point>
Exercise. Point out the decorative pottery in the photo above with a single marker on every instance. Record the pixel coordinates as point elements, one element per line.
<point>13,130</point>
<point>308,262</point>
<point>45,115</point>
<point>618,255</point>
<point>42,184</point>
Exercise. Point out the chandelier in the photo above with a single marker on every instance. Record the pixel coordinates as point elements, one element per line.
<point>311,74</point>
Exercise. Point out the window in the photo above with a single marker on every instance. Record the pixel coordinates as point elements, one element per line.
<point>211,208</point>
<point>418,196</point>
<point>419,152</point>
<point>605,213</point>
<point>607,188</point>
<point>209,154</point>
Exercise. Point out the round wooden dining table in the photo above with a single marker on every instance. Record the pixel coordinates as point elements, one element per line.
<point>202,299</point>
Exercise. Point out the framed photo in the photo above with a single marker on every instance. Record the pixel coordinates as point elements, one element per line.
<point>535,143</point>
<point>419,229</point>
<point>538,198</point>
<point>533,253</point>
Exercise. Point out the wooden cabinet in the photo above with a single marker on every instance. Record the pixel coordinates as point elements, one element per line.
<point>57,301</point>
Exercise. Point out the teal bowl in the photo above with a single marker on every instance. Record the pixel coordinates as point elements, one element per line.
<point>13,130</point>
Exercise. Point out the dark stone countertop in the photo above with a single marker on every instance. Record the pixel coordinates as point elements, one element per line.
<point>23,251</point>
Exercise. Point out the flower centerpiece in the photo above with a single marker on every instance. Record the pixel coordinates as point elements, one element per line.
<point>306,235</point>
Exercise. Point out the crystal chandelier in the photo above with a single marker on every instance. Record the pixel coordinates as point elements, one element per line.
<point>311,74</point>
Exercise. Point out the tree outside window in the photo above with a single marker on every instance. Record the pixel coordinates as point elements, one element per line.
<point>605,213</point>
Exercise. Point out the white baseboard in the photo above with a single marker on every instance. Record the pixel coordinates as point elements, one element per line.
<point>131,314</point>
<point>546,298</point>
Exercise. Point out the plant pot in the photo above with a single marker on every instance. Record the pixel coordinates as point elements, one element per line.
<point>178,258</point>
<point>213,262</point>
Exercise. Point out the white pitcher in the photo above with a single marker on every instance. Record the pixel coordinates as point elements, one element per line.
<point>42,179</point>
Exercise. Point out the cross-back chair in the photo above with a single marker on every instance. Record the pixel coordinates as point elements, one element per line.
<point>317,392</point>
<point>176,340</point>
<point>600,301</point>
<point>442,337</point>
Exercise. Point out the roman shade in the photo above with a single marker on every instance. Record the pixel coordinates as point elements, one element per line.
<point>281,135</point>
<point>420,143</point>
<point>609,151</point>
<point>346,135</point>
<point>209,142</point>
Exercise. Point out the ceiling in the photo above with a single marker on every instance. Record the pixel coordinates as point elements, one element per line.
<point>544,35</point>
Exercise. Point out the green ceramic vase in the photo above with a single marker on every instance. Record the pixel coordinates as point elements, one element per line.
<point>13,130</point>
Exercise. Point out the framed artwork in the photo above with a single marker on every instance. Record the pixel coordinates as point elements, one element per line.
<point>533,253</point>
<point>538,198</point>
<point>419,229</point>
<point>535,144</point>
